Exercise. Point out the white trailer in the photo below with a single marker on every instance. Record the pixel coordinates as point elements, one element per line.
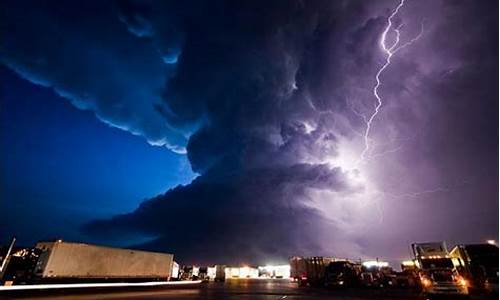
<point>64,261</point>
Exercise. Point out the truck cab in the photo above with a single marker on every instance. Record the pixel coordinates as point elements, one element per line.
<point>439,276</point>
<point>479,265</point>
<point>436,270</point>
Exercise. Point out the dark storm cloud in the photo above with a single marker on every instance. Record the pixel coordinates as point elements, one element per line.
<point>274,86</point>
<point>243,216</point>
<point>262,95</point>
<point>88,56</point>
<point>260,147</point>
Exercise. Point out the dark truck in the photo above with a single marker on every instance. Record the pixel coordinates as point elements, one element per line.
<point>220,273</point>
<point>479,265</point>
<point>342,274</point>
<point>377,274</point>
<point>21,266</point>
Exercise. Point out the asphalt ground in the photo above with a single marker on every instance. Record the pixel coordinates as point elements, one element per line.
<point>231,289</point>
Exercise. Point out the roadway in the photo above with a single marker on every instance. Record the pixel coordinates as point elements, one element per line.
<point>232,289</point>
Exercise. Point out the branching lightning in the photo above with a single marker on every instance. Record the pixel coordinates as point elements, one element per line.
<point>391,42</point>
<point>389,50</point>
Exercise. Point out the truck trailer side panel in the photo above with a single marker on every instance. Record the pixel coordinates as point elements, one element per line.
<point>76,260</point>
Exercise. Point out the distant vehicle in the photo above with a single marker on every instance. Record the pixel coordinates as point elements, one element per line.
<point>21,267</point>
<point>76,262</point>
<point>203,274</point>
<point>377,274</point>
<point>437,273</point>
<point>220,273</point>
<point>366,279</point>
<point>188,273</point>
<point>342,274</point>
<point>480,265</point>
<point>408,277</point>
<point>309,270</point>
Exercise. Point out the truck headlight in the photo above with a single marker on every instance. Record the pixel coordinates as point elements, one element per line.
<point>461,281</point>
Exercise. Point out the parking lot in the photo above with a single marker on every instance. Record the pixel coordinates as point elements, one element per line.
<point>231,289</point>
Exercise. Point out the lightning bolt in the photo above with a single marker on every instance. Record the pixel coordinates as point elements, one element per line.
<point>419,193</point>
<point>389,50</point>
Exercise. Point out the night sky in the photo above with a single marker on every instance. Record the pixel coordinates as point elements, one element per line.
<point>248,131</point>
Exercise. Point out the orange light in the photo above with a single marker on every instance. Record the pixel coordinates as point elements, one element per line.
<point>461,281</point>
<point>426,282</point>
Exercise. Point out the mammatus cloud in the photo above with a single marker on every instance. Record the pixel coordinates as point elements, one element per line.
<point>265,98</point>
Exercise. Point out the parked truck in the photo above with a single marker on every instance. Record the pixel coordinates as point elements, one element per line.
<point>220,273</point>
<point>20,269</point>
<point>76,262</point>
<point>309,270</point>
<point>438,275</point>
<point>342,273</point>
<point>408,277</point>
<point>479,265</point>
<point>377,274</point>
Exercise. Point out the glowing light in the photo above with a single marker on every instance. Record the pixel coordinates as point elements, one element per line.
<point>348,161</point>
<point>196,271</point>
<point>434,257</point>
<point>211,272</point>
<point>491,242</point>
<point>426,282</point>
<point>389,51</point>
<point>279,271</point>
<point>308,127</point>
<point>374,263</point>
<point>243,272</point>
<point>461,281</point>
<point>408,263</point>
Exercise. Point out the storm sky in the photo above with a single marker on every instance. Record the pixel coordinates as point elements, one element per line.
<point>233,131</point>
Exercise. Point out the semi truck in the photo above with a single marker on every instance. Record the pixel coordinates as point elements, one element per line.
<point>478,265</point>
<point>309,270</point>
<point>61,261</point>
<point>438,275</point>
